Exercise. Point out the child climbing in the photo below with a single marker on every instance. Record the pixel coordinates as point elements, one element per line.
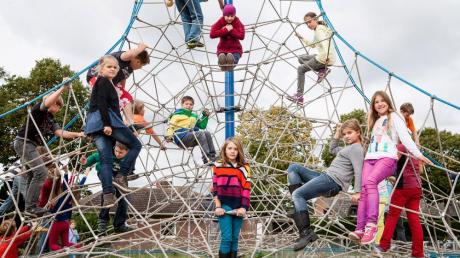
<point>140,122</point>
<point>386,129</point>
<point>186,129</point>
<point>231,189</point>
<point>105,125</point>
<point>306,184</point>
<point>407,110</point>
<point>322,41</point>
<point>230,30</point>
<point>10,240</point>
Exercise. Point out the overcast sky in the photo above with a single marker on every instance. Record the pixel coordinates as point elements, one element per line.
<point>415,39</point>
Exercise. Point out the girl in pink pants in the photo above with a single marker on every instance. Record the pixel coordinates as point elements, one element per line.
<point>386,128</point>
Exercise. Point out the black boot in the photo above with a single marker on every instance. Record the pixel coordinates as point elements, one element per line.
<point>292,188</point>
<point>222,255</point>
<point>306,234</point>
<point>233,254</point>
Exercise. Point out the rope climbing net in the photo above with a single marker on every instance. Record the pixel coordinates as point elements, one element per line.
<point>170,205</point>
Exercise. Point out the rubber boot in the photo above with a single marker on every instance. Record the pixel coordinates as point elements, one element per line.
<point>306,234</point>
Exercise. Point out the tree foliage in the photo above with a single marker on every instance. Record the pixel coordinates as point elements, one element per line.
<point>17,90</point>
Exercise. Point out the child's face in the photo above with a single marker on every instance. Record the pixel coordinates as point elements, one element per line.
<point>231,151</point>
<point>380,106</point>
<point>405,114</point>
<point>350,136</point>
<point>109,69</point>
<point>229,19</point>
<point>72,225</point>
<point>188,104</point>
<point>311,23</point>
<point>120,153</point>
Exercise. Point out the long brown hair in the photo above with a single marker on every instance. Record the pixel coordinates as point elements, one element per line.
<point>314,16</point>
<point>373,115</point>
<point>352,124</point>
<point>7,228</point>
<point>240,160</point>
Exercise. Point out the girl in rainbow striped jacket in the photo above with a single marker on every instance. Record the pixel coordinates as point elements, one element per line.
<point>231,189</point>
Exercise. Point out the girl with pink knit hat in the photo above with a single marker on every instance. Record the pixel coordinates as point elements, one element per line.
<point>230,30</point>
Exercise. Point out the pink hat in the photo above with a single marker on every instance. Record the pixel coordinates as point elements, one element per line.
<point>229,10</point>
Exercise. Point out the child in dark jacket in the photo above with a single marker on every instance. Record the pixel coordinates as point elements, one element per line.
<point>230,30</point>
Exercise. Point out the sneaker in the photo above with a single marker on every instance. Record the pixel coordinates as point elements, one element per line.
<point>221,61</point>
<point>191,44</point>
<point>296,98</point>
<point>322,74</point>
<point>123,229</point>
<point>36,211</point>
<point>356,235</point>
<point>199,44</point>
<point>370,233</point>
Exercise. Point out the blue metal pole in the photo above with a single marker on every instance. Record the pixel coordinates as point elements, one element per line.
<point>229,100</point>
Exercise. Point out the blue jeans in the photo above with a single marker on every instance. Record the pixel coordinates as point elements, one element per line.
<point>192,18</point>
<point>230,227</point>
<point>314,184</point>
<point>236,57</point>
<point>105,144</point>
<point>121,214</point>
<point>19,187</point>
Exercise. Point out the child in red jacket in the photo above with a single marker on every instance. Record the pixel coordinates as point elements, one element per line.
<point>230,30</point>
<point>10,240</point>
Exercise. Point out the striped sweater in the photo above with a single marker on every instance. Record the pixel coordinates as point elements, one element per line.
<point>232,185</point>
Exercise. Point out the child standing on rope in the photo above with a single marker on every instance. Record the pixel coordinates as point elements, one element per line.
<point>121,214</point>
<point>140,123</point>
<point>306,184</point>
<point>40,124</point>
<point>128,62</point>
<point>105,125</point>
<point>407,194</point>
<point>386,129</point>
<point>186,129</point>
<point>230,30</point>
<point>231,189</point>
<point>316,62</point>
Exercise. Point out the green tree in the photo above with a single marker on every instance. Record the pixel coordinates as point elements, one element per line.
<point>16,90</point>
<point>358,114</point>
<point>449,157</point>
<point>274,138</point>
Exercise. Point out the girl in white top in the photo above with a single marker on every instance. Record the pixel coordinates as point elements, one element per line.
<point>386,128</point>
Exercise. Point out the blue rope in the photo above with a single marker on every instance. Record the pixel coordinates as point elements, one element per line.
<point>326,19</point>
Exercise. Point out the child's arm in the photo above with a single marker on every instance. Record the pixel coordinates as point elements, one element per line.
<point>132,53</point>
<point>334,145</point>
<point>218,30</point>
<point>68,135</point>
<point>23,234</point>
<point>203,120</point>
<point>51,99</point>
<point>238,31</point>
<point>221,4</point>
<point>356,157</point>
<point>156,138</point>
<point>406,138</point>
<point>91,160</point>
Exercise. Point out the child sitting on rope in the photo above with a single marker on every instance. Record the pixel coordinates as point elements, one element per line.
<point>317,62</point>
<point>231,188</point>
<point>128,62</point>
<point>141,123</point>
<point>230,30</point>
<point>306,184</point>
<point>186,129</point>
<point>39,125</point>
<point>121,213</point>
<point>10,240</point>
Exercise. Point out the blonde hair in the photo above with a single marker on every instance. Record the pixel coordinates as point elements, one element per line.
<point>352,124</point>
<point>7,228</point>
<point>103,61</point>
<point>138,106</point>
<point>240,160</point>
<point>373,115</point>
